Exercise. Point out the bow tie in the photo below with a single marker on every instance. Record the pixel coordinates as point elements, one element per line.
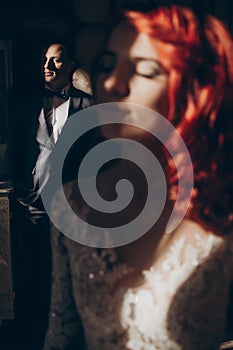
<point>59,93</point>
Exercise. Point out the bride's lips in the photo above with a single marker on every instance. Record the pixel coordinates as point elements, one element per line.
<point>115,112</point>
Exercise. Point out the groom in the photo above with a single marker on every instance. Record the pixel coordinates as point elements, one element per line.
<point>39,122</point>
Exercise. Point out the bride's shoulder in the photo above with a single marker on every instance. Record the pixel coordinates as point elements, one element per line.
<point>202,239</point>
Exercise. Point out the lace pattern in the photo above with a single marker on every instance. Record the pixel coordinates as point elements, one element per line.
<point>178,305</point>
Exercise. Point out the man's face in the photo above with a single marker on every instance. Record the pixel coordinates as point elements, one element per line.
<point>57,67</point>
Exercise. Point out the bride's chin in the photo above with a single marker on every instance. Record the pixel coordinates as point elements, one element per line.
<point>123,131</point>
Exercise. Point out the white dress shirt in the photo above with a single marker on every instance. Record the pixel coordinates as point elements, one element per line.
<point>59,109</point>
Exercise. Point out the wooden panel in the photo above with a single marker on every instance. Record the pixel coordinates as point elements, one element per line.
<point>6,287</point>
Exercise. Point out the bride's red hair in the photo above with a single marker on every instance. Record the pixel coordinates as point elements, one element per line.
<point>199,59</point>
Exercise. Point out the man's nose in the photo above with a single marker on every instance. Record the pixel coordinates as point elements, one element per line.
<point>48,64</point>
<point>117,83</point>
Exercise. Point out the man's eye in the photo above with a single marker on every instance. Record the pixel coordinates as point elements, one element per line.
<point>148,69</point>
<point>58,60</point>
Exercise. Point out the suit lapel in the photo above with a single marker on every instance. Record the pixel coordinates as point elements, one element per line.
<point>78,100</point>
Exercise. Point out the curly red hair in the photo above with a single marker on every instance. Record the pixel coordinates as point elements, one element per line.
<point>199,59</point>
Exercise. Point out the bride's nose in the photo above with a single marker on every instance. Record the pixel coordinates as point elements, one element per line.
<point>117,83</point>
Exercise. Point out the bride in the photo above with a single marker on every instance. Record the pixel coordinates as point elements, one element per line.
<point>164,288</point>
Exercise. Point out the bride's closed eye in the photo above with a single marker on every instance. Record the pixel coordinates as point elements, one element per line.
<point>148,68</point>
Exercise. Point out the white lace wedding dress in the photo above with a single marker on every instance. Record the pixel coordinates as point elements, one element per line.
<point>181,304</point>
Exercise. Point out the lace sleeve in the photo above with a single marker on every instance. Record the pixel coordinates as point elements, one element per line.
<point>65,329</point>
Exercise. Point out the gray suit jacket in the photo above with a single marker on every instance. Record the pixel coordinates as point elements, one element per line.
<point>23,148</point>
